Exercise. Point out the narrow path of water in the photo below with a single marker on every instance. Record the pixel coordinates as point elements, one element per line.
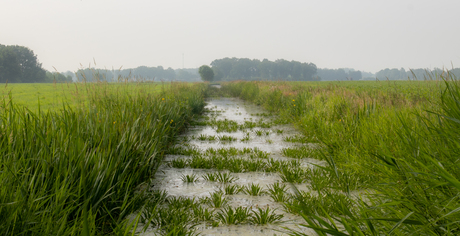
<point>233,126</point>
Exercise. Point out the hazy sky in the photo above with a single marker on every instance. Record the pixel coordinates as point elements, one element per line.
<point>367,35</point>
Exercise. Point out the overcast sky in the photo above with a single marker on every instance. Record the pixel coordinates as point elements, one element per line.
<point>366,35</point>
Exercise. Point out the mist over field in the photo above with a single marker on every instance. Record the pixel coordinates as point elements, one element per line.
<point>251,118</point>
<point>359,35</point>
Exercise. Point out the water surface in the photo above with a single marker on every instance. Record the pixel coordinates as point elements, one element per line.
<point>234,109</point>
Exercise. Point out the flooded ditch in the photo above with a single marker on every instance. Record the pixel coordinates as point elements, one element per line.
<point>236,144</point>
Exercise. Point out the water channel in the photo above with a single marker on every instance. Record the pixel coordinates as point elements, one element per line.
<point>272,141</point>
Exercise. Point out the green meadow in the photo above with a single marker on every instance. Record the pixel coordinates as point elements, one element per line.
<point>74,156</point>
<point>392,151</point>
<point>48,96</point>
<point>77,158</point>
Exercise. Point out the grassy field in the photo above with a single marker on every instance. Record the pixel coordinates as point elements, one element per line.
<point>392,149</point>
<point>55,96</point>
<point>74,155</point>
<point>74,167</point>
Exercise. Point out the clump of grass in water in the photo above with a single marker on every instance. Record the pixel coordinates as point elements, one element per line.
<point>226,152</point>
<point>217,200</point>
<point>177,221</point>
<point>204,137</point>
<point>292,175</point>
<point>254,190</point>
<point>219,163</point>
<point>296,139</point>
<point>181,202</point>
<point>259,132</point>
<point>262,124</point>
<point>254,165</point>
<point>232,189</point>
<point>178,163</point>
<point>203,214</point>
<point>189,178</point>
<point>200,162</point>
<point>209,177</point>
<point>278,192</point>
<point>296,152</point>
<point>233,216</point>
<point>179,150</point>
<point>226,138</point>
<point>176,217</point>
<point>257,153</point>
<point>246,137</point>
<point>236,165</point>
<point>210,151</point>
<point>247,125</point>
<point>274,165</point>
<point>265,216</point>
<point>229,126</point>
<point>225,177</point>
<point>246,150</point>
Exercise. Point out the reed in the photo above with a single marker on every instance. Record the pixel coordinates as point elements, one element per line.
<point>398,140</point>
<point>77,168</point>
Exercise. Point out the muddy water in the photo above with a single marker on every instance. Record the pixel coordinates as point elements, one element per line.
<point>169,179</point>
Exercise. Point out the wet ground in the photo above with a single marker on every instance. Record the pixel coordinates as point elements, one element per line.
<point>269,140</point>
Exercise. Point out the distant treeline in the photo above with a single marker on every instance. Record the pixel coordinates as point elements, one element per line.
<point>247,69</point>
<point>19,64</point>
<point>390,74</point>
<point>141,73</point>
<point>419,74</point>
<point>339,74</point>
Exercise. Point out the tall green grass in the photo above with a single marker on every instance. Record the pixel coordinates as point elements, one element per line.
<point>396,142</point>
<point>76,170</point>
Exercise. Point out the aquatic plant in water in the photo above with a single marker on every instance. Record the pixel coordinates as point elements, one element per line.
<point>265,216</point>
<point>216,199</point>
<point>254,190</point>
<point>278,192</point>
<point>189,178</point>
<point>233,216</point>
<point>232,189</point>
<point>225,177</point>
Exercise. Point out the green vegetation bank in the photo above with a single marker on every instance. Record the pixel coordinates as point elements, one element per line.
<point>76,170</point>
<point>392,150</point>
